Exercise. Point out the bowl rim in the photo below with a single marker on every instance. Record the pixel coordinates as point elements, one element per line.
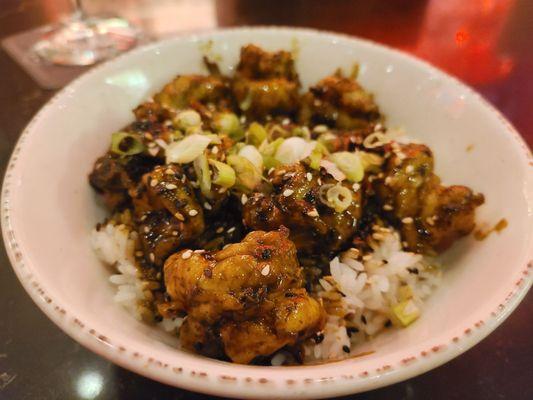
<point>239,383</point>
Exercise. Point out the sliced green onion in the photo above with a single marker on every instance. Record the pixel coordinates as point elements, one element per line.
<point>316,155</point>
<point>224,175</point>
<point>256,134</point>
<point>405,293</point>
<point>252,154</point>
<point>350,164</point>
<point>248,176</point>
<point>370,161</point>
<point>302,132</point>
<point>187,149</point>
<point>268,150</point>
<point>339,198</point>
<point>126,144</point>
<point>188,119</point>
<point>229,123</point>
<point>327,139</point>
<point>203,174</point>
<point>247,102</point>
<point>405,313</point>
<point>293,150</point>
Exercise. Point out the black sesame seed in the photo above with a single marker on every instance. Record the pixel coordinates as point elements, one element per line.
<point>266,254</point>
<point>388,323</point>
<point>413,270</point>
<point>351,330</point>
<point>363,319</point>
<point>346,349</point>
<point>198,346</point>
<point>319,337</point>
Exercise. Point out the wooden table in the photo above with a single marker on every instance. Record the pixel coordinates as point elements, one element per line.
<point>487,43</point>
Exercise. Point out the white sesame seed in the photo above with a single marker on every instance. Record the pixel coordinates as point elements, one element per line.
<point>174,233</point>
<point>214,150</point>
<point>288,192</point>
<point>407,220</point>
<point>430,221</point>
<point>139,253</point>
<point>222,190</point>
<point>219,230</point>
<point>356,187</point>
<point>320,129</point>
<point>319,181</point>
<point>388,180</point>
<point>154,182</point>
<point>409,169</point>
<point>367,257</point>
<point>266,270</point>
<point>286,121</point>
<point>161,143</point>
<point>242,119</point>
<point>405,244</point>
<point>231,230</point>
<point>148,136</point>
<point>187,254</point>
<point>244,199</point>
<point>152,257</point>
<point>378,236</point>
<point>169,171</point>
<point>146,229</point>
<point>179,216</point>
<point>193,213</point>
<point>271,170</point>
<point>199,251</point>
<point>387,207</point>
<point>313,213</point>
<point>207,206</point>
<point>309,176</point>
<point>170,186</point>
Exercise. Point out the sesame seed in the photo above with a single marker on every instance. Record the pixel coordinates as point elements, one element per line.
<point>309,176</point>
<point>170,186</point>
<point>313,213</point>
<point>244,199</point>
<point>148,136</point>
<point>183,179</point>
<point>409,169</point>
<point>242,119</point>
<point>174,233</point>
<point>152,257</point>
<point>179,216</point>
<point>286,121</point>
<point>187,254</point>
<point>199,251</point>
<point>266,270</point>
<point>214,150</point>
<point>387,207</point>
<point>207,206</point>
<point>430,221</point>
<point>222,190</point>
<point>139,253</point>
<point>319,181</point>
<point>219,230</point>
<point>388,180</point>
<point>193,213</point>
<point>161,143</point>
<point>289,175</point>
<point>169,171</point>
<point>367,257</point>
<point>154,182</point>
<point>288,192</point>
<point>146,229</point>
<point>231,230</point>
<point>407,220</point>
<point>356,187</point>
<point>320,129</point>
<point>271,170</point>
<point>405,244</point>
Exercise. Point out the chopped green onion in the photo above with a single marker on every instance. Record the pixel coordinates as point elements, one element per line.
<point>405,293</point>
<point>188,119</point>
<point>370,161</point>
<point>187,149</point>
<point>339,198</point>
<point>247,102</point>
<point>252,154</point>
<point>350,164</point>
<point>229,123</point>
<point>203,174</point>
<point>302,132</point>
<point>327,140</point>
<point>293,150</point>
<point>316,155</point>
<point>224,175</point>
<point>256,134</point>
<point>405,313</point>
<point>268,150</point>
<point>126,144</point>
<point>248,176</point>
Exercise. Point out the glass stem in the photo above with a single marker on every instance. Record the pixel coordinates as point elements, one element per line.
<point>78,13</point>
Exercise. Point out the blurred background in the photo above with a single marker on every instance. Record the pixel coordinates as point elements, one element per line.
<point>485,43</point>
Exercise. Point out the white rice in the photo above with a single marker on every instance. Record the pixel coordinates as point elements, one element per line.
<point>115,246</point>
<point>369,287</point>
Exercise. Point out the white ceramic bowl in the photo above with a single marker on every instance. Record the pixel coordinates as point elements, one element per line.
<point>48,210</point>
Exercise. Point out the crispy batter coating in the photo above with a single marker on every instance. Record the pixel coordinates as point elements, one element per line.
<point>432,216</point>
<point>249,284</point>
<point>315,227</point>
<point>339,102</point>
<point>266,83</point>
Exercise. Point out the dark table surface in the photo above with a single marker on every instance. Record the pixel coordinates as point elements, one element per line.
<point>487,43</point>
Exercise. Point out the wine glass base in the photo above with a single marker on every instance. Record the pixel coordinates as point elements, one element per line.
<point>86,41</point>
